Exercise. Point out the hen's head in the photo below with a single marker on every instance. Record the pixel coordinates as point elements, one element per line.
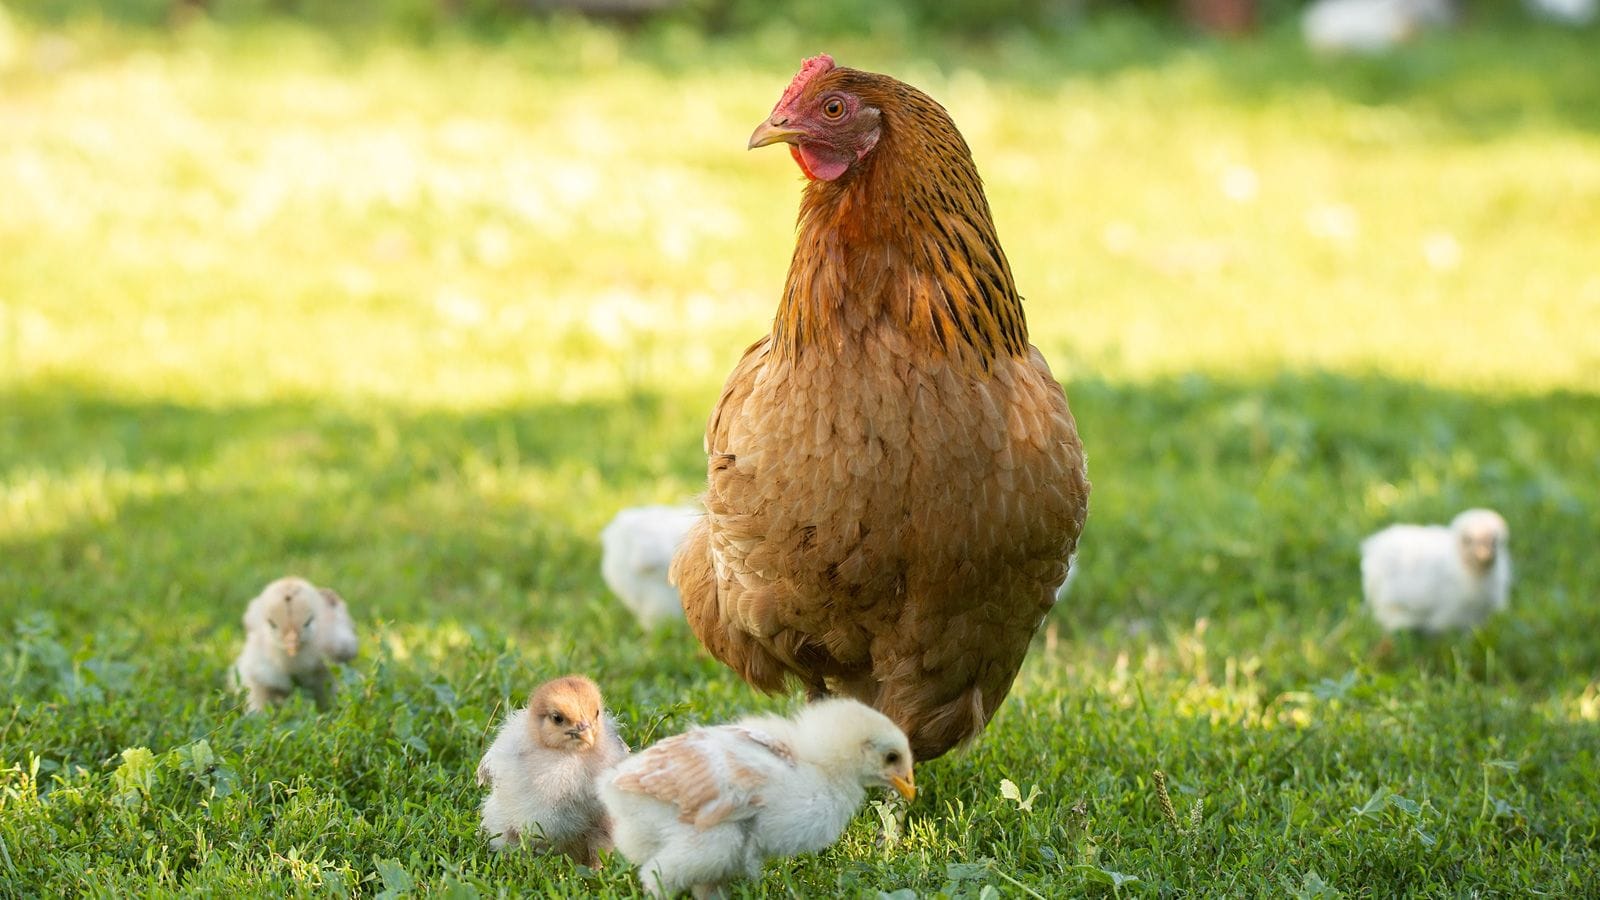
<point>1483,535</point>
<point>828,126</point>
<point>564,714</point>
<point>850,740</point>
<point>287,609</point>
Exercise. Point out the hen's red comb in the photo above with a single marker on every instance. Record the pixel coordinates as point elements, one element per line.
<point>811,68</point>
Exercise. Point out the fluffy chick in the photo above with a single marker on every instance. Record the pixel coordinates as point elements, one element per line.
<point>292,629</point>
<point>700,809</point>
<point>636,551</point>
<point>1436,578</point>
<point>541,772</point>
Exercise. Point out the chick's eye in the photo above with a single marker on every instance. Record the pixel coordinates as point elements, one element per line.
<point>833,108</point>
<point>891,758</point>
<point>558,718</point>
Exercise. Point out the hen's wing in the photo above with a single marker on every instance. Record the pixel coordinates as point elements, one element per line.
<point>711,775</point>
<point>696,572</point>
<point>887,526</point>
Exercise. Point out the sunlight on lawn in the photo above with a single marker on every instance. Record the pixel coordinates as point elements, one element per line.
<point>241,219</point>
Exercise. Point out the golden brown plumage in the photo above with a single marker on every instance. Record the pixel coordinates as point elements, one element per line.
<point>895,481</point>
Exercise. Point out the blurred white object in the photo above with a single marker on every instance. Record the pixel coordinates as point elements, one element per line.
<point>636,550</point>
<point>1576,13</point>
<point>1370,26</point>
<point>1442,251</point>
<point>1437,578</point>
<point>1240,184</point>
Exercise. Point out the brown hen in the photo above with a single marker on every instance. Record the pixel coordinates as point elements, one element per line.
<point>896,483</point>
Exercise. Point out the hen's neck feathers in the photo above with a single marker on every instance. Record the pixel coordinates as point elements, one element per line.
<point>903,239</point>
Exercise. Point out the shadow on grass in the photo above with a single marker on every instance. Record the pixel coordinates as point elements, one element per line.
<point>1212,497</point>
<point>168,501</point>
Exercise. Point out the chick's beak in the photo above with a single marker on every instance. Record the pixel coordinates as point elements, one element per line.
<point>581,732</point>
<point>906,786</point>
<point>773,130</point>
<point>291,643</point>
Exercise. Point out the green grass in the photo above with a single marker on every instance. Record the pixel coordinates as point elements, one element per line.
<point>416,320</point>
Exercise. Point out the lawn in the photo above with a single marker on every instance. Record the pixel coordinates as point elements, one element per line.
<point>414,318</point>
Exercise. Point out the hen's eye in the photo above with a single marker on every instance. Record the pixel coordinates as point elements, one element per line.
<point>558,718</point>
<point>833,108</point>
<point>891,758</point>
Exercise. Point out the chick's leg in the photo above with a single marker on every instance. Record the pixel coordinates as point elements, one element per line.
<point>654,880</point>
<point>262,696</point>
<point>701,863</point>
<point>321,688</point>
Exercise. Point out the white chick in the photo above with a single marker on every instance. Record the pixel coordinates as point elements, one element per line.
<point>1435,578</point>
<point>292,629</point>
<point>700,809</point>
<point>636,551</point>
<point>541,772</point>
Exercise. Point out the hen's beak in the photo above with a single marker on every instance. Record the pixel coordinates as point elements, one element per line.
<point>906,786</point>
<point>774,130</point>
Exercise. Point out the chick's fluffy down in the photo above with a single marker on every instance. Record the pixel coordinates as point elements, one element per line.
<point>542,796</point>
<point>293,629</point>
<point>1436,578</point>
<point>702,808</point>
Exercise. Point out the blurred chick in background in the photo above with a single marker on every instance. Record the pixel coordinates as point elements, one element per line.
<point>293,629</point>
<point>636,550</point>
<point>1436,578</point>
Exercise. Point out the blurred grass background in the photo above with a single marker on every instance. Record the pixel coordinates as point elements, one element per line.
<point>410,298</point>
